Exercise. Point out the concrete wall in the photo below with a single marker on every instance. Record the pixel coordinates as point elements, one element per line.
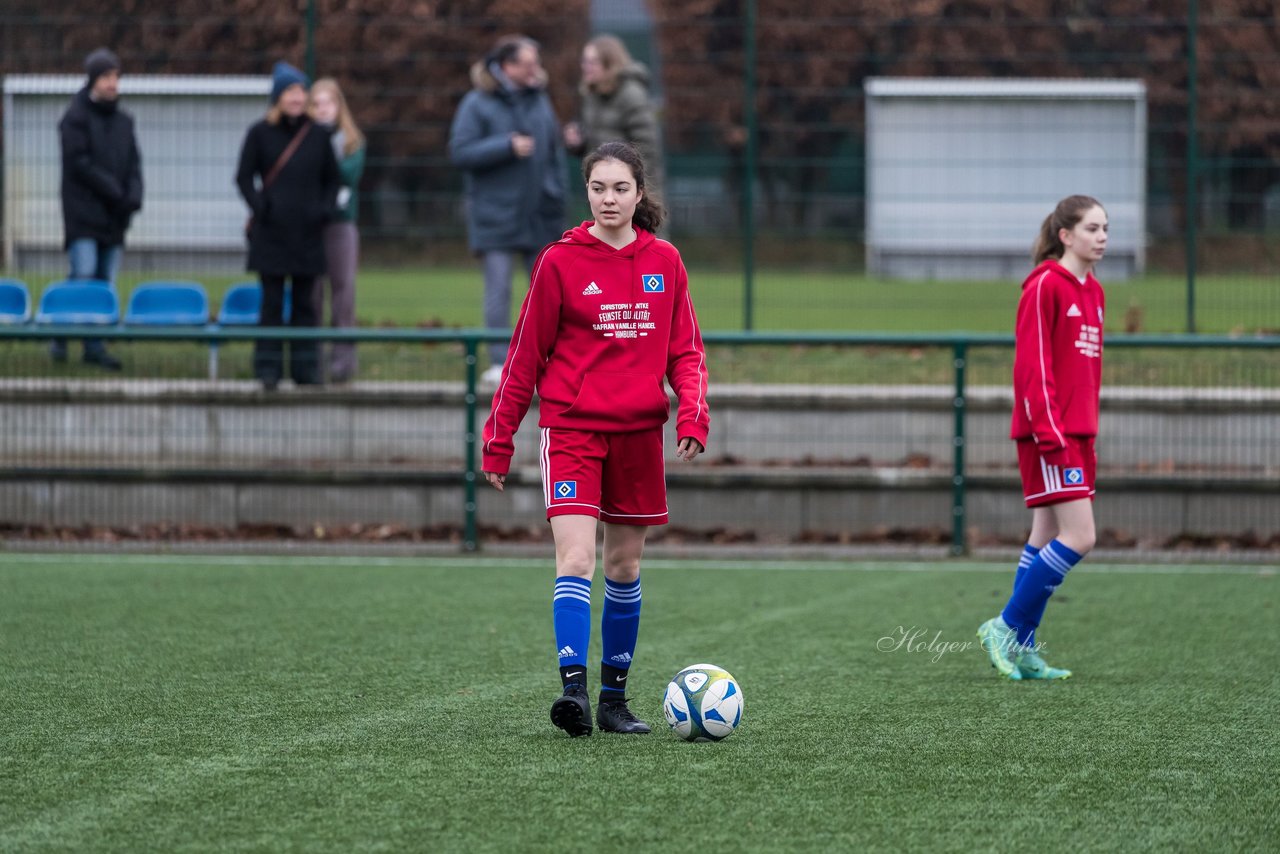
<point>835,461</point>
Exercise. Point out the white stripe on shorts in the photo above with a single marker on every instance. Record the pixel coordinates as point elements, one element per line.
<point>544,463</point>
<point>1051,476</point>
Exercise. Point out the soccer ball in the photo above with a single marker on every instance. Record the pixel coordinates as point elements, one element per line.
<point>703,703</point>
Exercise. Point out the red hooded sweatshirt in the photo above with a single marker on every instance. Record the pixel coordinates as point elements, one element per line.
<point>599,330</point>
<point>1057,362</point>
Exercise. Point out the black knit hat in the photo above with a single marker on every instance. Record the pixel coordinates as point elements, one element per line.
<point>100,62</point>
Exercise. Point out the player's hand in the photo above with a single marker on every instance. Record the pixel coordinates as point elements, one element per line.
<point>522,145</point>
<point>572,135</point>
<point>495,480</point>
<point>688,449</point>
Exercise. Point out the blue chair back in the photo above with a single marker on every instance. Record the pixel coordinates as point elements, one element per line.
<point>242,305</point>
<point>15,301</point>
<point>75,302</point>
<point>168,304</point>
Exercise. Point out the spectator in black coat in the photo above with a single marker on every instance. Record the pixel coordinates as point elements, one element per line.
<point>101,184</point>
<point>289,177</point>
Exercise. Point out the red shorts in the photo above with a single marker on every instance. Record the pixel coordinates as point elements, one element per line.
<point>616,477</point>
<point>1044,484</point>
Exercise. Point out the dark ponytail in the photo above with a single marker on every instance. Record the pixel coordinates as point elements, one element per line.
<point>649,210</point>
<point>1066,215</point>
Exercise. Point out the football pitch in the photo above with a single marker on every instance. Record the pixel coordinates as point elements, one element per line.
<point>313,704</point>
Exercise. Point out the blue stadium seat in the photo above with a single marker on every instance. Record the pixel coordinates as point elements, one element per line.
<point>82,301</point>
<point>102,283</point>
<point>168,304</point>
<point>242,303</point>
<point>15,301</point>
<point>242,306</point>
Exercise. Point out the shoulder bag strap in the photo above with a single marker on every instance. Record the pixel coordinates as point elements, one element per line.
<point>276,167</point>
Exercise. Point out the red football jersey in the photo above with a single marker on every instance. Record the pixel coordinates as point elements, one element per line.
<point>1057,363</point>
<point>598,332</point>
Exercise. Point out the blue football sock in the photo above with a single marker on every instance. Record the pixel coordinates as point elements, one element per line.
<point>1026,605</point>
<point>571,612</point>
<point>1029,553</point>
<point>619,628</point>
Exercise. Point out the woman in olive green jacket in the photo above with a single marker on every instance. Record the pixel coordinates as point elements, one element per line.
<point>617,106</point>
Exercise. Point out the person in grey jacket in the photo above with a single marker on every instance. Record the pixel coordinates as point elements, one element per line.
<point>507,140</point>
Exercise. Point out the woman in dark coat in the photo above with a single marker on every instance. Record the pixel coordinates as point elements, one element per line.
<point>291,199</point>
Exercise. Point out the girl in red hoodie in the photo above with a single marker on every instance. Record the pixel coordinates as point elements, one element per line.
<point>1057,372</point>
<point>607,318</point>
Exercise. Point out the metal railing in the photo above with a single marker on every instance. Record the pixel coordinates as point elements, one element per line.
<point>763,117</point>
<point>961,348</point>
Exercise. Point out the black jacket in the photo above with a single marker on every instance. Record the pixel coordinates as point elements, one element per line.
<point>101,170</point>
<point>287,235</point>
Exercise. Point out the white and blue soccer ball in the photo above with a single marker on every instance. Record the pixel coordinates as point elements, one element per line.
<point>703,703</point>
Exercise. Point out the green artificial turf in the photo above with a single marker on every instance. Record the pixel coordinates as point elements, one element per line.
<point>188,704</point>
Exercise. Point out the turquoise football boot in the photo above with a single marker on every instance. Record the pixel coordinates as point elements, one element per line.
<point>1000,643</point>
<point>1032,666</point>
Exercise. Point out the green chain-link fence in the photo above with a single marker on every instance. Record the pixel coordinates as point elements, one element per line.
<point>764,114</point>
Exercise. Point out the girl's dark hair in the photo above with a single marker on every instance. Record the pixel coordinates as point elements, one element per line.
<point>649,211</point>
<point>507,47</point>
<point>1066,215</point>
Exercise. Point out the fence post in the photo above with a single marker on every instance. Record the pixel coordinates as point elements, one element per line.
<point>1193,162</point>
<point>469,539</point>
<point>309,62</point>
<point>959,538</point>
<point>749,167</point>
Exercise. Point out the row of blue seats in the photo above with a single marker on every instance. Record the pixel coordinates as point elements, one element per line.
<point>91,301</point>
